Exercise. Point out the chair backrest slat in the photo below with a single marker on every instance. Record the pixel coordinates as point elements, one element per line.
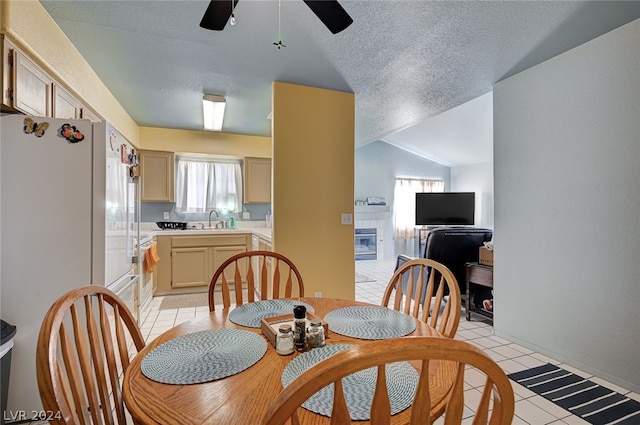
<point>271,267</point>
<point>340,411</point>
<point>455,407</point>
<point>275,293</point>
<point>421,412</point>
<point>251,286</point>
<point>97,361</point>
<point>110,357</point>
<point>85,366</point>
<point>264,280</point>
<point>415,284</point>
<point>381,415</point>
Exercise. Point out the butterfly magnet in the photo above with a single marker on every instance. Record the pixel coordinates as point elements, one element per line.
<point>37,128</point>
<point>71,133</point>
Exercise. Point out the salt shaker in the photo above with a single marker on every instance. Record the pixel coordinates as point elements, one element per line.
<point>284,340</point>
<point>315,334</point>
<point>300,325</point>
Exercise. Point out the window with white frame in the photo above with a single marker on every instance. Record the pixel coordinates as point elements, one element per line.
<point>203,184</point>
<point>404,204</point>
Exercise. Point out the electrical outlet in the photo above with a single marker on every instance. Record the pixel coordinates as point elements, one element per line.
<point>165,215</point>
<point>347,218</point>
<point>318,294</point>
<point>246,215</point>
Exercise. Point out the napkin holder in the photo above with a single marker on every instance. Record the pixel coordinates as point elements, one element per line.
<point>270,325</point>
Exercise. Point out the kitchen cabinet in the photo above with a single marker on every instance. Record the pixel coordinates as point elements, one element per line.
<point>90,115</point>
<point>64,104</point>
<point>157,176</point>
<point>193,259</point>
<point>257,180</point>
<point>190,267</point>
<point>26,87</point>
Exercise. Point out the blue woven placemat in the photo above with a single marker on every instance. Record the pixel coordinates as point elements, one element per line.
<point>370,322</point>
<point>204,356</point>
<point>251,314</point>
<point>402,381</point>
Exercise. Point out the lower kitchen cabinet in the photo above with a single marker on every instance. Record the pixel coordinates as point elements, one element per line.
<point>190,267</point>
<point>193,259</point>
<point>222,254</point>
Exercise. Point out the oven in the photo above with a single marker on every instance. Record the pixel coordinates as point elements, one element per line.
<point>365,244</point>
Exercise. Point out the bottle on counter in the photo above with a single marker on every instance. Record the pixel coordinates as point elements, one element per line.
<point>300,327</point>
<point>315,334</point>
<point>268,219</point>
<point>284,340</point>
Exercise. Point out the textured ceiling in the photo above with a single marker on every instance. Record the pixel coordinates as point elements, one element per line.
<point>406,61</point>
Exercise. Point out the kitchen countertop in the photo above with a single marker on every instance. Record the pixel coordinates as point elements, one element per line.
<point>263,232</point>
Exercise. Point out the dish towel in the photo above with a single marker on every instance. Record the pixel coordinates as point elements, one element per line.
<point>151,257</point>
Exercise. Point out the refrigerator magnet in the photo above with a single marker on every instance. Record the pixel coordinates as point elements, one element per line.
<point>30,126</point>
<point>124,154</point>
<point>71,133</point>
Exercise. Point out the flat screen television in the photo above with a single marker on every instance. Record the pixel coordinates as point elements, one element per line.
<point>445,208</point>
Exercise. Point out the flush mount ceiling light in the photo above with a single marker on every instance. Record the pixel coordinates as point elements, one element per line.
<point>213,111</point>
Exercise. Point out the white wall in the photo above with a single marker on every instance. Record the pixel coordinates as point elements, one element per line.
<point>567,190</point>
<point>377,166</point>
<point>476,178</point>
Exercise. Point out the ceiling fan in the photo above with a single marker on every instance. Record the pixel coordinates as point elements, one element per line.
<point>329,12</point>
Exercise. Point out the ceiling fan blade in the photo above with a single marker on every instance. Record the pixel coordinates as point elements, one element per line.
<point>331,14</point>
<point>217,14</point>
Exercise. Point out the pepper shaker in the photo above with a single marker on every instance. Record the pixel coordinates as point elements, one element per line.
<point>315,334</point>
<point>300,325</point>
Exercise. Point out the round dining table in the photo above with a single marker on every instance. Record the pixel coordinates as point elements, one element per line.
<point>244,398</point>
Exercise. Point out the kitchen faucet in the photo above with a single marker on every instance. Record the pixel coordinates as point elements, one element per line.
<point>217,215</point>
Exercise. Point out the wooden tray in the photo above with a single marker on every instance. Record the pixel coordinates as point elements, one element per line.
<point>269,325</point>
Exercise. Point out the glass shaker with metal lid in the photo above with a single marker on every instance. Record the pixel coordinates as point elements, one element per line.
<point>315,334</point>
<point>284,340</point>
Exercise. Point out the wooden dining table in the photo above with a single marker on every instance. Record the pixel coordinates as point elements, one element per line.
<point>244,398</point>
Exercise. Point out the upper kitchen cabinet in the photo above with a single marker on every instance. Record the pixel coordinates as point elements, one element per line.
<point>65,105</point>
<point>257,180</point>
<point>29,89</point>
<point>26,87</point>
<point>157,174</point>
<point>90,115</point>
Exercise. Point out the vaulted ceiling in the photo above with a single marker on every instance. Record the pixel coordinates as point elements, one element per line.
<point>407,61</point>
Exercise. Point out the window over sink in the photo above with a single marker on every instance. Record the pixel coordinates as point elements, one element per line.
<point>204,183</point>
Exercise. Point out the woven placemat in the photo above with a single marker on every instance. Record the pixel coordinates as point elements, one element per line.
<point>370,322</point>
<point>251,314</point>
<point>204,356</point>
<point>402,381</point>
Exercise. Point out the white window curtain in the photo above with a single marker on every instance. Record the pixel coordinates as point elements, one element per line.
<point>404,204</point>
<point>203,185</point>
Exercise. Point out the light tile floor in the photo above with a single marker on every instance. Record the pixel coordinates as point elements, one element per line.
<point>531,409</point>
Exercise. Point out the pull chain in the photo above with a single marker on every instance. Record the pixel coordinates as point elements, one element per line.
<point>279,43</point>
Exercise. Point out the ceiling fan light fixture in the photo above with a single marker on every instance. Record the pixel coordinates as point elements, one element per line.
<point>213,111</point>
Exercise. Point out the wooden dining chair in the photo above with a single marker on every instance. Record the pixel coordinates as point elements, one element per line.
<point>86,340</point>
<point>494,407</point>
<point>433,281</point>
<point>270,274</point>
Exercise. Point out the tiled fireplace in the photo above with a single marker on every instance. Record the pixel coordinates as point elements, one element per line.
<point>370,219</point>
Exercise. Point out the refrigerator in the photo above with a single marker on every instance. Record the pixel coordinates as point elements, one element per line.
<point>69,217</point>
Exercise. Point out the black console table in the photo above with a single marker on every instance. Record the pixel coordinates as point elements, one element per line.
<point>482,275</point>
